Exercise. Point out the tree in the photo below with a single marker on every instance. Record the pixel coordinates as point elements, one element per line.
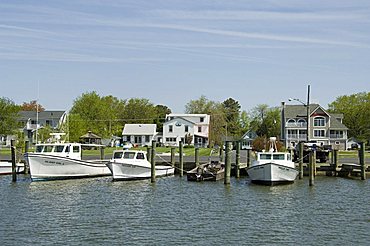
<point>244,122</point>
<point>232,116</point>
<point>266,121</point>
<point>8,116</point>
<point>356,114</point>
<point>32,106</point>
<point>139,110</point>
<point>161,112</point>
<point>199,106</point>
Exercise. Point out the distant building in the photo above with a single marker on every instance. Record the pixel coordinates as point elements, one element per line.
<point>247,139</point>
<point>178,126</point>
<point>139,134</point>
<point>324,128</point>
<point>31,121</point>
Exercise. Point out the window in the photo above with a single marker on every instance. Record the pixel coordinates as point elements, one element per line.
<point>170,128</point>
<point>48,148</point>
<point>201,119</point>
<point>170,139</point>
<point>199,129</point>
<point>76,149</point>
<point>278,157</point>
<point>147,138</point>
<point>319,133</point>
<point>140,156</point>
<point>118,155</point>
<point>265,156</point>
<point>337,143</point>
<point>319,121</point>
<point>129,155</point>
<point>59,148</point>
<point>186,128</point>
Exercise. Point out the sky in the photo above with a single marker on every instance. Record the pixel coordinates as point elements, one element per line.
<point>174,51</point>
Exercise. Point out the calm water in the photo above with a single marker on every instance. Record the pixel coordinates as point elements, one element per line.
<point>176,212</point>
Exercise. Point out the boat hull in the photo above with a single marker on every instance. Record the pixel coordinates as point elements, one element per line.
<point>271,174</point>
<point>125,171</point>
<point>205,173</point>
<point>48,167</point>
<point>6,168</point>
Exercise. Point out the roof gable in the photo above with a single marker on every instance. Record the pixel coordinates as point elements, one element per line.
<point>139,129</point>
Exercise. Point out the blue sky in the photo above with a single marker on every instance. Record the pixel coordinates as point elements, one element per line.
<point>172,51</point>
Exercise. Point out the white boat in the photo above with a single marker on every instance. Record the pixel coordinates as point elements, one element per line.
<point>6,167</point>
<point>63,161</point>
<point>130,165</point>
<point>272,167</point>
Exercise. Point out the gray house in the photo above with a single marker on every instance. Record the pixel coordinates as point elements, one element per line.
<point>324,128</point>
<point>139,134</point>
<point>33,121</point>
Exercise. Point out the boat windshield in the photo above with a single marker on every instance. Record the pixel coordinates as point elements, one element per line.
<point>59,148</point>
<point>39,148</point>
<point>265,156</point>
<point>278,157</point>
<point>129,155</point>
<point>117,155</point>
<point>48,148</point>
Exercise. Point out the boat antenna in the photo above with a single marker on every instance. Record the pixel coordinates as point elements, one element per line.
<point>37,108</point>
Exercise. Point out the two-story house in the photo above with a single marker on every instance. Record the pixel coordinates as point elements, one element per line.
<point>178,126</point>
<point>139,134</point>
<point>31,121</point>
<point>323,127</point>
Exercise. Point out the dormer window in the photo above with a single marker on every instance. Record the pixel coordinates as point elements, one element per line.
<point>319,121</point>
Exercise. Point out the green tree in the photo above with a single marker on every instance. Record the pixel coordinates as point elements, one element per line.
<point>266,121</point>
<point>232,116</point>
<point>161,112</point>
<point>139,110</point>
<point>356,114</point>
<point>8,116</point>
<point>244,122</point>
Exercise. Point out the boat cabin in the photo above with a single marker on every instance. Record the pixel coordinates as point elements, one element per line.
<point>133,155</point>
<point>274,156</point>
<point>71,150</point>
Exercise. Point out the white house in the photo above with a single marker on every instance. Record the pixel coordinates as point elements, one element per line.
<point>178,126</point>
<point>139,134</point>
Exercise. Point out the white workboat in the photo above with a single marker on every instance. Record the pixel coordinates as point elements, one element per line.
<point>131,165</point>
<point>63,161</point>
<point>6,167</point>
<point>272,167</point>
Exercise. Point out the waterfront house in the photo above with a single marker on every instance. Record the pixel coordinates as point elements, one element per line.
<point>31,121</point>
<point>247,139</point>
<point>139,134</point>
<point>324,128</point>
<point>182,127</point>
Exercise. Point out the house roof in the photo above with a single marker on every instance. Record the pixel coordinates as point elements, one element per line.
<point>43,115</point>
<point>139,129</point>
<point>193,118</point>
<point>90,135</point>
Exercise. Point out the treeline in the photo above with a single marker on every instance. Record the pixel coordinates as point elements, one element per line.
<point>106,116</point>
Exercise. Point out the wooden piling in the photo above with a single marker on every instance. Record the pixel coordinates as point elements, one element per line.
<point>312,165</point>
<point>101,153</point>
<point>26,149</point>
<point>335,159</point>
<point>362,160</point>
<point>249,157</point>
<point>196,157</point>
<point>173,150</point>
<point>227,163</point>
<point>301,146</point>
<point>148,153</point>
<point>14,169</point>
<point>221,153</point>
<point>181,158</point>
<point>152,161</point>
<point>237,160</point>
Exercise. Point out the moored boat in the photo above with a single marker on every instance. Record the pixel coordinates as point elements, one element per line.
<point>6,167</point>
<point>133,164</point>
<point>211,171</point>
<point>63,161</point>
<point>272,167</point>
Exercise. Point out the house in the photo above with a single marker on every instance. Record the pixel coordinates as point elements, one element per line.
<point>323,128</point>
<point>186,127</point>
<point>247,139</point>
<point>31,121</point>
<point>139,134</point>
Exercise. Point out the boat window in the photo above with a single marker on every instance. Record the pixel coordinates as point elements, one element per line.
<point>265,156</point>
<point>278,157</point>
<point>67,149</point>
<point>39,148</point>
<point>129,155</point>
<point>76,149</point>
<point>140,156</point>
<point>48,148</point>
<point>59,148</point>
<point>117,155</point>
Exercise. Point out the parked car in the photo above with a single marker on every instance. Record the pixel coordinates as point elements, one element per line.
<point>127,145</point>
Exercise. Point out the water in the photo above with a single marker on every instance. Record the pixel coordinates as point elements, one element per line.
<point>176,212</point>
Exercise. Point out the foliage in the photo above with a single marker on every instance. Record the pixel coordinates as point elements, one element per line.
<point>44,133</point>
<point>356,112</point>
<point>8,116</point>
<point>188,138</point>
<point>263,143</point>
<point>139,110</point>
<point>32,106</point>
<point>244,122</point>
<point>232,116</point>
<point>161,112</point>
<point>266,121</point>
